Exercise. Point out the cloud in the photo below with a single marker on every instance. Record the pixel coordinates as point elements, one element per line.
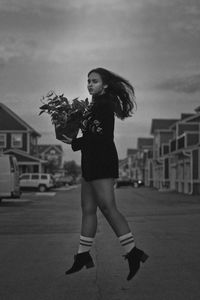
<point>34,6</point>
<point>63,31</point>
<point>187,85</point>
<point>15,47</point>
<point>38,6</point>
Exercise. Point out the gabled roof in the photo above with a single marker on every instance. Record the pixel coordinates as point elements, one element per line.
<point>188,118</point>
<point>131,151</point>
<point>42,148</point>
<point>185,116</point>
<point>18,119</point>
<point>144,143</point>
<point>197,109</point>
<point>161,124</point>
<point>24,156</point>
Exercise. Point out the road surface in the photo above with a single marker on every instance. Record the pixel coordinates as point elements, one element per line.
<point>39,235</point>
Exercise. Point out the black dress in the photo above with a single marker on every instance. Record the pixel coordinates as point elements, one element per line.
<point>99,155</point>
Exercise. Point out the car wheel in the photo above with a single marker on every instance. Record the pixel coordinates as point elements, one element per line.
<point>42,188</point>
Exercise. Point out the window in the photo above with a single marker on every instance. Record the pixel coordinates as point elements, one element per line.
<point>43,176</point>
<point>2,140</point>
<point>16,140</point>
<point>35,176</point>
<point>52,152</point>
<point>33,140</point>
<point>24,177</point>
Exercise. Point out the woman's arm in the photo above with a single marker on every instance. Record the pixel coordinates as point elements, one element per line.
<point>102,128</point>
<point>77,143</point>
<point>66,139</point>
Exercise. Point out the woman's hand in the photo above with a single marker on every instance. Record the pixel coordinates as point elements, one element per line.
<point>66,139</point>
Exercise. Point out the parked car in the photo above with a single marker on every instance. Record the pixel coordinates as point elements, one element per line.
<point>9,177</point>
<point>39,181</point>
<point>60,181</point>
<point>128,182</point>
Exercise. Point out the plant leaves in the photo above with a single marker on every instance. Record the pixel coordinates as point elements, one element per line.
<point>45,106</point>
<point>42,111</point>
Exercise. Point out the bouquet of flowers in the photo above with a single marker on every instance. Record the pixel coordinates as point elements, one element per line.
<point>65,116</point>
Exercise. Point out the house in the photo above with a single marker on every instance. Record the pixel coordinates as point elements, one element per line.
<point>131,153</point>
<point>183,157</point>
<point>123,168</point>
<point>125,165</point>
<point>52,154</point>
<point>19,139</point>
<point>176,153</point>
<point>144,147</point>
<point>160,129</point>
<point>137,157</point>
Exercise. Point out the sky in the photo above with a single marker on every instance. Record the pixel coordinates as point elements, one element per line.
<point>52,45</point>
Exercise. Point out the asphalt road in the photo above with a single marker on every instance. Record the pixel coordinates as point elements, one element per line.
<point>39,235</point>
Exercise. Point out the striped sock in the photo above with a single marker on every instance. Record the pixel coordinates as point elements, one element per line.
<point>85,244</point>
<point>127,242</point>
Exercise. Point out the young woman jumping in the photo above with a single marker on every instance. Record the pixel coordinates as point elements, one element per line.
<point>112,96</point>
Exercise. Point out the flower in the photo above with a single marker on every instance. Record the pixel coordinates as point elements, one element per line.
<point>65,116</point>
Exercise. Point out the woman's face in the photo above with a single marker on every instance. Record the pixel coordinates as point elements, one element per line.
<point>95,84</point>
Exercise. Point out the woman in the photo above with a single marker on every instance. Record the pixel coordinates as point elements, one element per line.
<point>111,95</point>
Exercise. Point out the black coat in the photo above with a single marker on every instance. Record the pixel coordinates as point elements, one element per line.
<point>99,155</point>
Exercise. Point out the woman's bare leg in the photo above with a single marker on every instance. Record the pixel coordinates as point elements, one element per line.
<point>88,230</point>
<point>89,210</point>
<point>105,199</point>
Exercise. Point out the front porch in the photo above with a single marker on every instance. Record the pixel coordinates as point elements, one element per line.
<point>28,163</point>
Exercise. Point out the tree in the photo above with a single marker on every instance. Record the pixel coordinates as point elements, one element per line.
<point>51,166</point>
<point>71,168</point>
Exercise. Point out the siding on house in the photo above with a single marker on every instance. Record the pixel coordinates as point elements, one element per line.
<point>24,149</point>
<point>172,161</point>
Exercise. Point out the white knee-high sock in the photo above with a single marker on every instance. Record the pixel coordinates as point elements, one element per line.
<point>85,244</point>
<point>127,242</point>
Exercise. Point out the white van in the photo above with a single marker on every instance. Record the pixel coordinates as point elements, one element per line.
<point>40,181</point>
<point>9,177</point>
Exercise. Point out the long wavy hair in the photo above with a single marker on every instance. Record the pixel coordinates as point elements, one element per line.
<point>121,91</point>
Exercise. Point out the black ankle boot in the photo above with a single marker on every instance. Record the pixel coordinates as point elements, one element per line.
<point>81,260</point>
<point>135,256</point>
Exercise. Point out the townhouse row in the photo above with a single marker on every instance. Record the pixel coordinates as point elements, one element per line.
<point>170,160</point>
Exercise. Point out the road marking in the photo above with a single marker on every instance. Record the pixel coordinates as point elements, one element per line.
<point>67,188</point>
<point>51,194</point>
<point>16,200</point>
